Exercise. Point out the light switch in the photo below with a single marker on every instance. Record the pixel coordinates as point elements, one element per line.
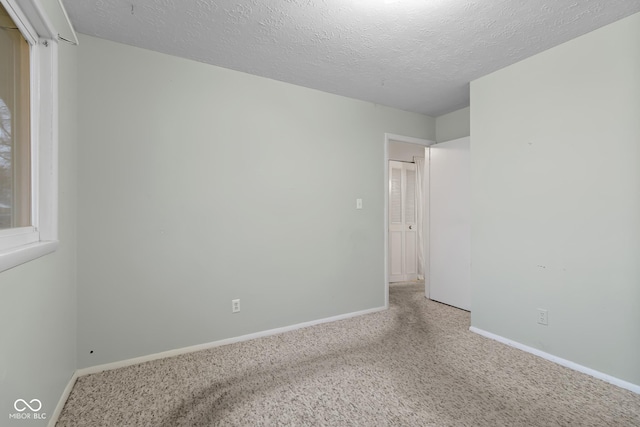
<point>358,203</point>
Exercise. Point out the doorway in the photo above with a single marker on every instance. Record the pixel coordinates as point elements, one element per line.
<point>404,150</point>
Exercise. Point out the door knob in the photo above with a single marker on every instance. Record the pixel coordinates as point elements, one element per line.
<point>411,227</point>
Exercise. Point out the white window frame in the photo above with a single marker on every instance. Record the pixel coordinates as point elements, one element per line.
<point>23,244</point>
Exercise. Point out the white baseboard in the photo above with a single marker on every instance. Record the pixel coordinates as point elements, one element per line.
<point>53,419</point>
<point>198,347</point>
<point>560,361</point>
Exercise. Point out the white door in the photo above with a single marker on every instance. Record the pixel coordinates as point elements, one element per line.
<point>450,223</point>
<point>403,237</point>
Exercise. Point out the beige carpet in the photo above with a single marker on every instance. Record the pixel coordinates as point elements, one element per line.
<point>413,365</point>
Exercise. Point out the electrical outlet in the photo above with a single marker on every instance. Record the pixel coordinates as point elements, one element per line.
<point>235,305</point>
<point>543,316</point>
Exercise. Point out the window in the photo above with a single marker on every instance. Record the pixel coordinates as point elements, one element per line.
<point>28,133</point>
<point>15,135</point>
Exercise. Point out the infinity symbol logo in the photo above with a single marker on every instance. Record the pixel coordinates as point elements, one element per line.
<point>26,405</point>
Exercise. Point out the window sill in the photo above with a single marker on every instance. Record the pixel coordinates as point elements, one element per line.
<point>21,254</point>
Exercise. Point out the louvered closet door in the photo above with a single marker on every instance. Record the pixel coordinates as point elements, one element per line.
<point>403,237</point>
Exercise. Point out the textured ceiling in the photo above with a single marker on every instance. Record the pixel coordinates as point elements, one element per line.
<point>416,55</point>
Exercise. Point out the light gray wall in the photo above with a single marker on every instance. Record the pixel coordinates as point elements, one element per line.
<point>199,185</point>
<point>454,125</point>
<point>405,152</point>
<point>38,302</point>
<point>556,200</point>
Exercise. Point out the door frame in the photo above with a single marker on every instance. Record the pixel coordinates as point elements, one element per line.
<point>388,137</point>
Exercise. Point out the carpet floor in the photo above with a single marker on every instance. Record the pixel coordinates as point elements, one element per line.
<point>415,364</point>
